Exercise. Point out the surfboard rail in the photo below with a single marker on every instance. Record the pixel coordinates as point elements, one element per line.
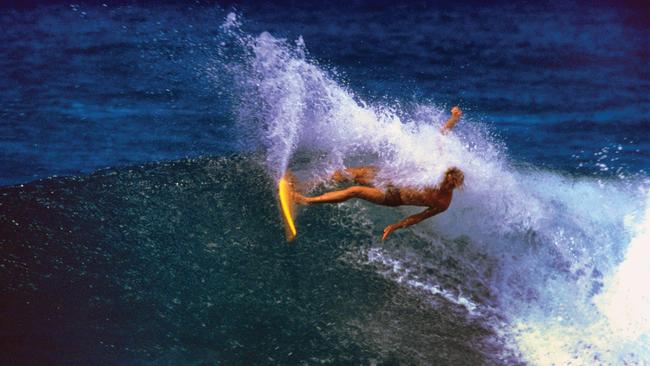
<point>287,206</point>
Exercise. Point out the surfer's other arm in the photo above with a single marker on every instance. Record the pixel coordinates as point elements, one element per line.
<point>411,220</point>
<point>451,122</point>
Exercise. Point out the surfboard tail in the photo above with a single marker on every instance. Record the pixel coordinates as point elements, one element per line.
<point>288,205</point>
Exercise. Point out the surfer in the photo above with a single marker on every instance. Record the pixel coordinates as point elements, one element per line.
<point>437,198</point>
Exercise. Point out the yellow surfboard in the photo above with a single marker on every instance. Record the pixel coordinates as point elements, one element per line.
<point>287,206</point>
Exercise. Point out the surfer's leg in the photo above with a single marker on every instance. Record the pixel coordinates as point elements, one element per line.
<point>364,175</point>
<point>373,195</point>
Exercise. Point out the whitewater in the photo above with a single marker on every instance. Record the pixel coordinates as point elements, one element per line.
<point>552,261</point>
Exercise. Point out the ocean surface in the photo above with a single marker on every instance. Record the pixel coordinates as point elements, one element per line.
<point>141,144</point>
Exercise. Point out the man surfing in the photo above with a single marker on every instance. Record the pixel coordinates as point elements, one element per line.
<point>436,198</point>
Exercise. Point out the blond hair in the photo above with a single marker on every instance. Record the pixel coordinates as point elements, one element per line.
<point>455,176</point>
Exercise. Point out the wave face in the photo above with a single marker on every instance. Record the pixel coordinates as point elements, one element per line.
<point>186,263</point>
<point>540,253</point>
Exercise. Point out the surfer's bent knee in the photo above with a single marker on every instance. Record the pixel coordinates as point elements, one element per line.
<point>340,176</point>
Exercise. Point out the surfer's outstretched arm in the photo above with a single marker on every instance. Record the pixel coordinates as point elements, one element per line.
<point>451,122</point>
<point>411,220</point>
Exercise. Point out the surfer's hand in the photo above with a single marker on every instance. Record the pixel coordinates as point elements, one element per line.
<point>389,229</point>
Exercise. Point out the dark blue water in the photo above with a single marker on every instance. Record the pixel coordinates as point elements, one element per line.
<point>88,86</point>
<point>175,255</point>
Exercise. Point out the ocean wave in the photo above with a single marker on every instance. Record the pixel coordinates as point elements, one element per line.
<point>550,242</point>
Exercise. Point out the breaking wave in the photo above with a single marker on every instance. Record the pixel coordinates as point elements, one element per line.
<point>553,260</point>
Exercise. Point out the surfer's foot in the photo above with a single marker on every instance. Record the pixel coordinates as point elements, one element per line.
<point>300,199</point>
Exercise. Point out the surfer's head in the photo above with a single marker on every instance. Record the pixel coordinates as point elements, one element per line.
<point>454,178</point>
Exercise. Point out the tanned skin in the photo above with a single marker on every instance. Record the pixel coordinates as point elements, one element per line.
<point>436,199</point>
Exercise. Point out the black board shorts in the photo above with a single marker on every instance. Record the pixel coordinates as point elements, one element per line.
<point>392,196</point>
